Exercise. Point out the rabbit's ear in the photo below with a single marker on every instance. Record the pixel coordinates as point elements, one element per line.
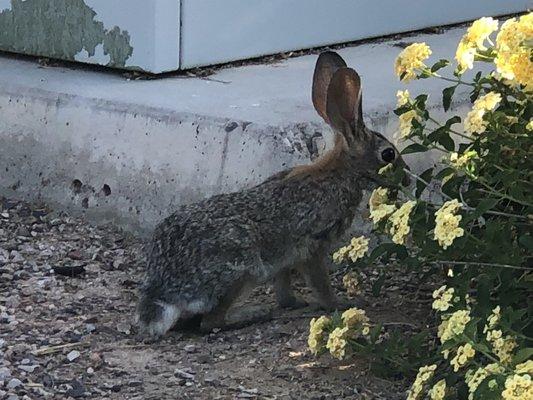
<point>327,64</point>
<point>344,98</point>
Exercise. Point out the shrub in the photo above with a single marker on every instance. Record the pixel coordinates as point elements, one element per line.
<point>479,232</point>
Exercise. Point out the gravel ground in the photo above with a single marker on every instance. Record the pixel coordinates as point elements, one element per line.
<point>67,295</point>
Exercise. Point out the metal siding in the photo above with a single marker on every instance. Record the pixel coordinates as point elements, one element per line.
<point>215,31</point>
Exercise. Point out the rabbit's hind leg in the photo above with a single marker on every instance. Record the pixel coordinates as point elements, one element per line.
<point>284,293</point>
<point>216,318</point>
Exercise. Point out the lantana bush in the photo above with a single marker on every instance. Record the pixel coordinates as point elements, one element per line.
<point>475,239</point>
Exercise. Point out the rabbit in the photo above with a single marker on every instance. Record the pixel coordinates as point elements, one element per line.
<point>206,254</point>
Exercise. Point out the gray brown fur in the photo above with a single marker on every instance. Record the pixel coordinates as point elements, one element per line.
<point>205,254</point>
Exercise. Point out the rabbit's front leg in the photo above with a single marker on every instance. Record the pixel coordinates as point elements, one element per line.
<point>317,277</point>
<point>284,293</point>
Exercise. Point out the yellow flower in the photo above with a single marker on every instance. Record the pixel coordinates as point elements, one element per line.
<point>454,325</point>
<point>379,209</point>
<point>474,122</point>
<point>385,169</point>
<point>513,60</point>
<point>518,387</point>
<point>529,125</point>
<point>351,283</point>
<point>337,342</point>
<point>411,60</point>
<point>464,354</point>
<point>525,368</point>
<point>493,319</point>
<point>443,298</point>
<point>316,339</point>
<point>425,373</point>
<point>474,39</point>
<point>480,31</point>
<point>357,248</point>
<point>403,97</point>
<point>465,55</point>
<point>354,317</point>
<point>438,391</point>
<point>460,161</point>
<point>474,378</point>
<point>406,122</point>
<point>502,347</point>
<point>447,224</point>
<point>400,222</point>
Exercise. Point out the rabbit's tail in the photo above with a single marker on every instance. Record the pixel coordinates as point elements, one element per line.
<point>156,317</point>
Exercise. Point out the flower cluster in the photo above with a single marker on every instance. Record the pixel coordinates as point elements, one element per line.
<point>317,334</point>
<point>406,122</point>
<point>378,204</point>
<point>453,325</point>
<point>474,378</point>
<point>474,121</point>
<point>400,222</point>
<point>464,355</point>
<point>411,60</point>
<point>447,223</point>
<point>438,391</point>
<point>513,47</point>
<point>443,298</point>
<point>502,346</point>
<point>403,97</point>
<point>353,324</point>
<point>351,283</point>
<point>357,249</point>
<point>461,161</point>
<point>337,341</point>
<point>473,40</point>
<point>518,387</point>
<point>425,374</point>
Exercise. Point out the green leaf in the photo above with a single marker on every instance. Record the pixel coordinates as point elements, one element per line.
<point>523,355</point>
<point>425,176</point>
<point>453,120</point>
<point>483,206</point>
<point>526,241</point>
<point>447,142</point>
<point>439,65</point>
<point>414,148</point>
<point>447,95</point>
<point>378,284</point>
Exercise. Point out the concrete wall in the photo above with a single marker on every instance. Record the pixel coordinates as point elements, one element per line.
<point>132,151</point>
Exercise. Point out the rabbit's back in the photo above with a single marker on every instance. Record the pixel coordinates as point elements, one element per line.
<point>255,231</point>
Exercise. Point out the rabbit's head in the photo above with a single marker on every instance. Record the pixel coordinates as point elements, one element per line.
<point>337,97</point>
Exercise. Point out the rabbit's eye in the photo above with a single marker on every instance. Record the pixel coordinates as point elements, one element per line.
<point>388,155</point>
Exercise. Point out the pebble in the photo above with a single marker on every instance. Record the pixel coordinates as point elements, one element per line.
<point>73,355</point>
<point>14,383</point>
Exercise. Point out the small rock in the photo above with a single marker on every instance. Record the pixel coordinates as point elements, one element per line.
<point>183,374</point>
<point>4,373</point>
<point>73,355</point>
<point>190,348</point>
<point>90,370</point>
<point>14,383</point>
<point>28,368</point>
<point>124,327</point>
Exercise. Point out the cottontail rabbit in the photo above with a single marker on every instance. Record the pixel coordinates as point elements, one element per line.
<point>203,256</point>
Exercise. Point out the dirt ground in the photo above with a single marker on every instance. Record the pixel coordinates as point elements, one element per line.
<point>67,296</point>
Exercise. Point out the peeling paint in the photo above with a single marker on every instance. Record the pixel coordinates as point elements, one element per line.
<point>60,29</point>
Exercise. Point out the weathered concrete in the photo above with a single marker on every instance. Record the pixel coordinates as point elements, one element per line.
<point>133,150</point>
